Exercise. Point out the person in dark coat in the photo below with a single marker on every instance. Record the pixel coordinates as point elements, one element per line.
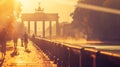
<point>25,37</point>
<point>15,41</point>
<point>3,40</point>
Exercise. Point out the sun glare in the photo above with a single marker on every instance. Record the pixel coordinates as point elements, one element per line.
<point>24,2</point>
<point>50,6</point>
<point>72,3</point>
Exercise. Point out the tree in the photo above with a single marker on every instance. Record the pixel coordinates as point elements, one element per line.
<point>9,13</point>
<point>99,25</point>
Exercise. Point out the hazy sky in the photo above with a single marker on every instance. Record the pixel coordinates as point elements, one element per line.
<point>63,7</point>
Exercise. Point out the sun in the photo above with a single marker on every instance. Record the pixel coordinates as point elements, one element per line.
<point>24,2</point>
<point>27,5</point>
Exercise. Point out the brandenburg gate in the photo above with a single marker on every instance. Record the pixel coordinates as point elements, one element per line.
<point>39,15</point>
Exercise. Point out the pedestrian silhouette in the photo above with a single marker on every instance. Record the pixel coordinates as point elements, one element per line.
<point>22,41</point>
<point>25,36</point>
<point>33,36</point>
<point>15,41</point>
<point>3,35</point>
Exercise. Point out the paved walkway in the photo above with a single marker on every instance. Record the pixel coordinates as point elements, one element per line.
<point>33,57</point>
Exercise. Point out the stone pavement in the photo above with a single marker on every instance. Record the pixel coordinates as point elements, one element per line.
<point>32,57</point>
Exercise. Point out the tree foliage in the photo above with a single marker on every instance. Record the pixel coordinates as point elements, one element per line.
<point>9,13</point>
<point>98,25</point>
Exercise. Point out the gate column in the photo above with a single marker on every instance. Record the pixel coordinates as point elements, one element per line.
<point>28,27</point>
<point>35,27</point>
<point>43,29</point>
<point>50,32</point>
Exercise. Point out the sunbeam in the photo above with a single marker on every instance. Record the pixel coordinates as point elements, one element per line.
<point>98,8</point>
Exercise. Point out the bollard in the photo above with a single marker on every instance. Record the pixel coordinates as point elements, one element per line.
<point>51,50</point>
<point>63,56</point>
<point>74,58</point>
<point>55,53</point>
<point>59,55</point>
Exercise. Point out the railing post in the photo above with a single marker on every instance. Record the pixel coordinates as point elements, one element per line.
<point>80,58</point>
<point>86,59</point>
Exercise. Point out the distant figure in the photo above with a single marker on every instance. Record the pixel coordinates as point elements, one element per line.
<point>25,36</point>
<point>22,41</point>
<point>3,37</point>
<point>15,41</point>
<point>33,36</point>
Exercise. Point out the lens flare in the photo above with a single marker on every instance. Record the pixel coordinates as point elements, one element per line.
<point>99,8</point>
<point>24,2</point>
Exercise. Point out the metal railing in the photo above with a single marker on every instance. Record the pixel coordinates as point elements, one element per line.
<point>65,55</point>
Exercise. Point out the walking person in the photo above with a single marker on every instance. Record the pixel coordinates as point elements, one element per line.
<point>15,39</point>
<point>3,40</point>
<point>25,36</point>
<point>15,42</point>
<point>21,41</point>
